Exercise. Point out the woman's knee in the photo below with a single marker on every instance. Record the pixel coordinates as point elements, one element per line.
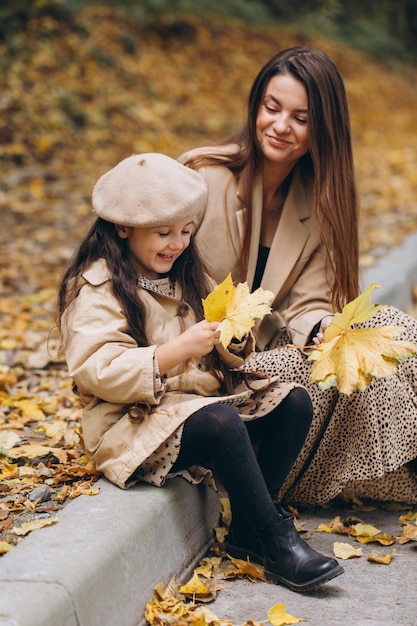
<point>299,401</point>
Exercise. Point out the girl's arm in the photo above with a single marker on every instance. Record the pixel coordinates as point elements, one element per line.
<point>104,360</point>
<point>196,341</point>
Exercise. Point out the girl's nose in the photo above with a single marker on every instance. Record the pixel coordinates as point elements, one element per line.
<point>177,242</point>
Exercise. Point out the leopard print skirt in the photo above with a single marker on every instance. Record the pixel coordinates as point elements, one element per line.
<point>358,445</point>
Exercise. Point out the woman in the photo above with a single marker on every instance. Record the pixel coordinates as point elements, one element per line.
<point>158,400</point>
<point>282,213</point>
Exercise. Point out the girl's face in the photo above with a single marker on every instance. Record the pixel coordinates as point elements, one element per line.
<point>281,123</point>
<point>154,250</point>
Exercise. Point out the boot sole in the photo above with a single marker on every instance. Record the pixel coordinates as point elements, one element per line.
<point>272,577</point>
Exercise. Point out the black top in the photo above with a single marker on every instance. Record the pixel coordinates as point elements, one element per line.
<point>260,266</point>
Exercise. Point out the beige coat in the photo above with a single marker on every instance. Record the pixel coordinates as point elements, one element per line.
<point>297,269</point>
<point>106,363</point>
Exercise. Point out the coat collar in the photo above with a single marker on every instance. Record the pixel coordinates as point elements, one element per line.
<point>97,273</point>
<point>290,237</point>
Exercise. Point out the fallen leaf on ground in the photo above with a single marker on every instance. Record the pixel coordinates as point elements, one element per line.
<point>245,568</point>
<point>5,546</point>
<point>408,517</point>
<point>278,616</point>
<point>379,557</point>
<point>193,587</point>
<point>28,527</point>
<point>366,533</point>
<point>334,526</point>
<point>168,607</point>
<point>345,551</point>
<point>363,530</point>
<point>409,533</point>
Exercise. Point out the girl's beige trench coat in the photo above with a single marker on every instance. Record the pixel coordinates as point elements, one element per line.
<point>106,363</point>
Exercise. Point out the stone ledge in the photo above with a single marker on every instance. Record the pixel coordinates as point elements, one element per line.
<point>99,564</point>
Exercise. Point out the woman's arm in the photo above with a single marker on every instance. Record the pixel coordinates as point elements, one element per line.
<point>309,298</point>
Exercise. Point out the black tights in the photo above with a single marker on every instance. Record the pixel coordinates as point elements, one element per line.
<point>216,437</point>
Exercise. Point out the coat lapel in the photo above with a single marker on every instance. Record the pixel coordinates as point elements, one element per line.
<point>256,228</point>
<point>290,238</point>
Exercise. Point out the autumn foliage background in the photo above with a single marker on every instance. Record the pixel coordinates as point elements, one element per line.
<point>77,96</point>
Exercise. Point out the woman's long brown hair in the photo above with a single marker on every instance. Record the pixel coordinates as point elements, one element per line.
<point>329,161</point>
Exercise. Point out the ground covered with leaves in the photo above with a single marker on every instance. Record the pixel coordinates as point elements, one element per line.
<point>78,96</point>
<point>380,539</point>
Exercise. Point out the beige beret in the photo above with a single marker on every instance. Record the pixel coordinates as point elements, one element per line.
<point>150,189</point>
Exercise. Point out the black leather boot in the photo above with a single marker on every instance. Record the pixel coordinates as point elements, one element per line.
<point>243,541</point>
<point>291,562</point>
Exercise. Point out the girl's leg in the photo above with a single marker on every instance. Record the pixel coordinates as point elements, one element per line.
<point>215,436</point>
<point>280,436</point>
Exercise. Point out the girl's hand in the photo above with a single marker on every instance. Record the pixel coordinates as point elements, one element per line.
<point>325,323</point>
<point>194,342</point>
<point>200,338</point>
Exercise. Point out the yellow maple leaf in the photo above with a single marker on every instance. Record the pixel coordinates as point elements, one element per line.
<point>349,358</point>
<point>358,310</point>
<point>236,308</point>
<point>215,305</point>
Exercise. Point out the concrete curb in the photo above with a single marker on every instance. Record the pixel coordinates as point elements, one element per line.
<point>396,272</point>
<point>99,565</point>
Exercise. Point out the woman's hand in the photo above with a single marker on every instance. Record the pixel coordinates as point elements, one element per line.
<point>196,341</point>
<point>325,323</point>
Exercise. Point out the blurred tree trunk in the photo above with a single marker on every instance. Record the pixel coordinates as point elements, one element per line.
<point>403,22</point>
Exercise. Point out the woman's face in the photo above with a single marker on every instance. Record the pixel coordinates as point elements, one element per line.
<point>154,250</point>
<point>282,124</point>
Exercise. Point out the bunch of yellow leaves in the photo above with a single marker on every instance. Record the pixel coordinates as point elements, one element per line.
<point>236,308</point>
<point>349,358</point>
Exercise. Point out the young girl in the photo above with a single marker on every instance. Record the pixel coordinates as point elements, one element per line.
<point>158,399</point>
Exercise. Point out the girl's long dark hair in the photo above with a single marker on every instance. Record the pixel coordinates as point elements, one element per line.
<point>329,161</point>
<point>103,242</point>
